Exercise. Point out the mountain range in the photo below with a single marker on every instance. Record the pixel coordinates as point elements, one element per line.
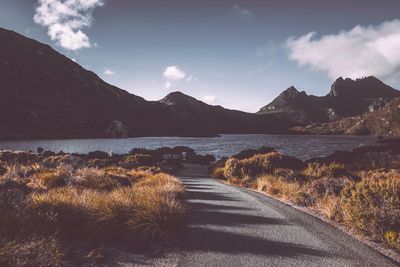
<point>346,98</point>
<point>46,95</point>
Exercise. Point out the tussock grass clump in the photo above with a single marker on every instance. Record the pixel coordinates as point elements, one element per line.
<point>55,161</point>
<point>136,160</point>
<point>260,164</point>
<point>52,178</point>
<point>277,186</point>
<point>365,199</point>
<point>63,202</point>
<point>149,210</point>
<point>218,173</point>
<point>21,157</point>
<point>318,170</point>
<point>372,206</point>
<point>98,179</point>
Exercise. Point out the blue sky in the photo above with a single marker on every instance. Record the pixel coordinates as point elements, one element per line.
<point>238,54</point>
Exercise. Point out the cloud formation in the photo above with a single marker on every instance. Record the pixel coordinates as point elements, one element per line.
<point>66,19</point>
<point>241,12</point>
<point>359,52</point>
<point>173,74</point>
<point>109,72</point>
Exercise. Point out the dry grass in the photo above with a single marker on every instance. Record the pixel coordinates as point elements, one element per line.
<point>149,210</point>
<point>218,173</point>
<point>372,206</point>
<point>63,201</point>
<point>52,178</point>
<point>260,164</point>
<point>367,201</point>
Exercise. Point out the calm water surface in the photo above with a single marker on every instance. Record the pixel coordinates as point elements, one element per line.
<point>303,147</point>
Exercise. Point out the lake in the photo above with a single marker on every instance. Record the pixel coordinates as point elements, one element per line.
<point>303,147</point>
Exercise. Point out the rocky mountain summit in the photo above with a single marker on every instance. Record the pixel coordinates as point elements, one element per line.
<point>346,98</point>
<point>363,88</point>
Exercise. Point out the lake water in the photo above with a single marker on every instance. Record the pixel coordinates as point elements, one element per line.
<point>303,147</point>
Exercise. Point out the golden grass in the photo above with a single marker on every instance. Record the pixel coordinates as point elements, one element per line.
<point>218,173</point>
<point>112,206</point>
<point>52,178</point>
<point>366,201</point>
<point>149,210</point>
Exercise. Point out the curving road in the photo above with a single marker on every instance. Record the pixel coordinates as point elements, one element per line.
<point>230,226</point>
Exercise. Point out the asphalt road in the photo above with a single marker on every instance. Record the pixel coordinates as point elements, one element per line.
<point>230,226</point>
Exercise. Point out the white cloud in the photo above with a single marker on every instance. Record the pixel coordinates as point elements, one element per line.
<point>109,72</point>
<point>241,12</point>
<point>209,98</point>
<point>173,73</point>
<point>66,19</point>
<point>361,51</point>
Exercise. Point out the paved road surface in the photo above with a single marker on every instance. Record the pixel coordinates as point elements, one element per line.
<point>230,226</point>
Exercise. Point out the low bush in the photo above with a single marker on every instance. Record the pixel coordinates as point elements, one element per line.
<point>52,178</point>
<point>318,170</point>
<point>147,211</point>
<point>248,153</point>
<point>218,173</point>
<point>136,160</point>
<point>261,164</point>
<point>48,208</point>
<point>372,206</point>
<point>352,192</point>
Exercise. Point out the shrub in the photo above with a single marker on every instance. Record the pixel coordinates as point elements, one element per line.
<point>393,238</point>
<point>218,173</point>
<point>260,164</point>
<point>318,170</point>
<point>327,186</point>
<point>330,207</point>
<point>290,175</point>
<point>98,179</point>
<point>372,205</point>
<point>101,163</point>
<point>248,153</point>
<point>137,160</point>
<point>149,210</point>
<point>285,190</point>
<point>18,157</point>
<point>56,161</point>
<point>52,178</point>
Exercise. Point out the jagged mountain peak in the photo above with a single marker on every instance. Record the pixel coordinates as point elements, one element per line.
<point>366,87</point>
<point>284,99</point>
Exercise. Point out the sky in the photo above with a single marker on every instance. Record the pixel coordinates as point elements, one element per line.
<point>236,53</point>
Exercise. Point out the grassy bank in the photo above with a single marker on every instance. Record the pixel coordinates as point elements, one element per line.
<point>65,208</point>
<point>359,189</point>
